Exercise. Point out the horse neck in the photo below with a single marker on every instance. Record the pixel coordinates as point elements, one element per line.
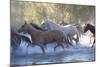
<point>91,28</point>
<point>39,28</point>
<point>33,31</point>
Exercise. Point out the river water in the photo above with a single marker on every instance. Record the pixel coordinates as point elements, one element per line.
<point>81,52</point>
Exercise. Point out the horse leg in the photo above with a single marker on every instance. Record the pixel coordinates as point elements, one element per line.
<point>68,42</point>
<point>90,39</point>
<point>61,45</point>
<point>58,44</point>
<point>43,50</point>
<point>77,39</point>
<point>45,45</point>
<point>70,38</point>
<point>93,43</point>
<point>55,47</point>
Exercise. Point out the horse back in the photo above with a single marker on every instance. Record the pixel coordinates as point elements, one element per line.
<point>55,34</point>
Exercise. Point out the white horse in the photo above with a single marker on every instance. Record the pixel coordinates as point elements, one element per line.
<point>68,30</point>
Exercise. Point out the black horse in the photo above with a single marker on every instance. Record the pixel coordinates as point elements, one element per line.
<point>16,39</point>
<point>92,30</point>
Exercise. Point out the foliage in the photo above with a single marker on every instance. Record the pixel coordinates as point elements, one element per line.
<point>35,11</point>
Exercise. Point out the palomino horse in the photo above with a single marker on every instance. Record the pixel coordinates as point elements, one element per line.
<point>92,30</point>
<point>42,38</point>
<point>68,30</point>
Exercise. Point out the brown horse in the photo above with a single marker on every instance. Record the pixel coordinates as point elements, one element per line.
<point>41,29</point>
<point>37,27</point>
<point>42,38</point>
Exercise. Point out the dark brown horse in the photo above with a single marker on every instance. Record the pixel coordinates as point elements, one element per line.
<point>92,30</point>
<point>16,39</point>
<point>43,38</point>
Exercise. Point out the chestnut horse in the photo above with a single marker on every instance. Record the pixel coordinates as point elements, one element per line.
<point>92,30</point>
<point>37,27</point>
<point>42,38</point>
<point>42,29</point>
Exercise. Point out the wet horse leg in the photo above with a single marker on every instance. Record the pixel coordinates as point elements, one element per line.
<point>58,44</point>
<point>70,40</point>
<point>90,39</point>
<point>42,47</point>
<point>76,39</point>
<point>67,41</point>
<point>93,43</point>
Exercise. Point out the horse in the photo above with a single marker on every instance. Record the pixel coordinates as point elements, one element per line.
<point>92,30</point>
<point>42,38</point>
<point>78,26</point>
<point>37,27</point>
<point>80,29</point>
<point>16,39</point>
<point>68,30</point>
<point>41,29</point>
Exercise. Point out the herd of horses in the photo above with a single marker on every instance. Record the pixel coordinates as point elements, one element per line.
<point>49,32</point>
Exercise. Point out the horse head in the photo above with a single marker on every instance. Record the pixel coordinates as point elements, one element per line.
<point>87,27</point>
<point>23,28</point>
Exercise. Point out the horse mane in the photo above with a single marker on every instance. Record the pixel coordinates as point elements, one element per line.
<point>90,25</point>
<point>32,29</point>
<point>37,27</point>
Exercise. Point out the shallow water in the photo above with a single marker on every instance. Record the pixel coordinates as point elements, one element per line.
<point>82,52</point>
<point>68,55</point>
